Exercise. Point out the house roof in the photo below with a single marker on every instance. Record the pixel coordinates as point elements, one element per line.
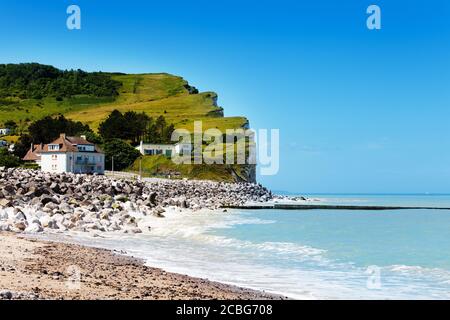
<point>78,140</point>
<point>69,144</point>
<point>33,153</point>
<point>66,144</point>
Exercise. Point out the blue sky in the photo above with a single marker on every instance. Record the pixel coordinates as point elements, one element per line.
<point>358,110</point>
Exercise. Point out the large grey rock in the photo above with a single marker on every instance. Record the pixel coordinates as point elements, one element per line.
<point>6,295</point>
<point>34,227</point>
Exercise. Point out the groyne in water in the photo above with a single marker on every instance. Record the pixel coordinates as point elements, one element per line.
<point>295,206</point>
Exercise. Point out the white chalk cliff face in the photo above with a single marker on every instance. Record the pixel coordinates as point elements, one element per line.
<point>34,201</point>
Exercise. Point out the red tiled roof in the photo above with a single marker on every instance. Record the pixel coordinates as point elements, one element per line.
<point>66,144</point>
<point>34,153</point>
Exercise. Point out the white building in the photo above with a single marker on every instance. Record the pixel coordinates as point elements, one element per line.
<point>68,154</point>
<point>4,131</point>
<point>151,149</point>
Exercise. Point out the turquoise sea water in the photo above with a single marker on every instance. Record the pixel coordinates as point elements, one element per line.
<point>323,254</point>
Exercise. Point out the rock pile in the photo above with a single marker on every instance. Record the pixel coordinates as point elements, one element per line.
<point>33,201</point>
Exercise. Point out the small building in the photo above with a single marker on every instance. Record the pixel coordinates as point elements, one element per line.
<point>4,131</point>
<point>168,150</point>
<point>68,154</point>
<point>34,154</point>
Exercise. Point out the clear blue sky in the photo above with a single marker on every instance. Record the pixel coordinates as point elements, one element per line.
<point>358,110</point>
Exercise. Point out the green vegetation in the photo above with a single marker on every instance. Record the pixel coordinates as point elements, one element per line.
<point>39,102</point>
<point>124,154</point>
<point>47,130</point>
<point>29,92</point>
<point>161,94</point>
<point>135,127</point>
<point>152,166</point>
<point>36,81</point>
<point>8,160</point>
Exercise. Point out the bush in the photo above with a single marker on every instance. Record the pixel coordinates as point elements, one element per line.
<point>124,154</point>
<point>35,81</point>
<point>8,160</point>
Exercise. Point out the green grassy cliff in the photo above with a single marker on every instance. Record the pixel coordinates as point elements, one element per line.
<point>29,92</point>
<point>155,94</point>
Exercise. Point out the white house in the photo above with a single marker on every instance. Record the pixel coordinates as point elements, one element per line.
<point>151,149</point>
<point>68,154</point>
<point>4,131</point>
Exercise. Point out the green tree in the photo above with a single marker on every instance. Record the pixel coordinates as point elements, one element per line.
<point>48,129</point>
<point>135,125</point>
<point>113,126</point>
<point>93,137</point>
<point>124,154</point>
<point>8,160</point>
<point>23,145</point>
<point>11,125</point>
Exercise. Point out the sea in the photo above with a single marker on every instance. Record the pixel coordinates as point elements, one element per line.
<point>309,254</point>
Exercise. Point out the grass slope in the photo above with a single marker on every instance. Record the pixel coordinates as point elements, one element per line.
<point>155,94</point>
<point>161,94</point>
<point>152,166</point>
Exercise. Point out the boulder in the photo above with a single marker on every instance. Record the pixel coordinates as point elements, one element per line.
<point>47,199</point>
<point>20,225</point>
<point>5,203</point>
<point>34,227</point>
<point>6,295</point>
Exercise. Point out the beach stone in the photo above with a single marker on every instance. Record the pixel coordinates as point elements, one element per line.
<point>34,228</point>
<point>19,215</point>
<point>3,215</point>
<point>5,227</point>
<point>47,199</point>
<point>5,203</point>
<point>21,225</point>
<point>109,204</point>
<point>51,206</point>
<point>6,294</point>
<point>134,230</point>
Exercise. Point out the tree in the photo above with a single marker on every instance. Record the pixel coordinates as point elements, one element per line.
<point>113,126</point>
<point>133,127</point>
<point>158,131</point>
<point>8,160</point>
<point>48,129</point>
<point>35,81</point>
<point>129,126</point>
<point>93,137</point>
<point>124,154</point>
<point>12,125</point>
<point>23,145</point>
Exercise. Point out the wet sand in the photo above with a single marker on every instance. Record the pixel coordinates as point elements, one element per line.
<point>36,269</point>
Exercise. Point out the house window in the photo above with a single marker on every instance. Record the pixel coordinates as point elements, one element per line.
<point>53,147</point>
<point>54,167</point>
<point>54,157</point>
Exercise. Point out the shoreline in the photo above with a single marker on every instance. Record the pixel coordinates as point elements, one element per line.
<point>34,203</point>
<point>32,269</point>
